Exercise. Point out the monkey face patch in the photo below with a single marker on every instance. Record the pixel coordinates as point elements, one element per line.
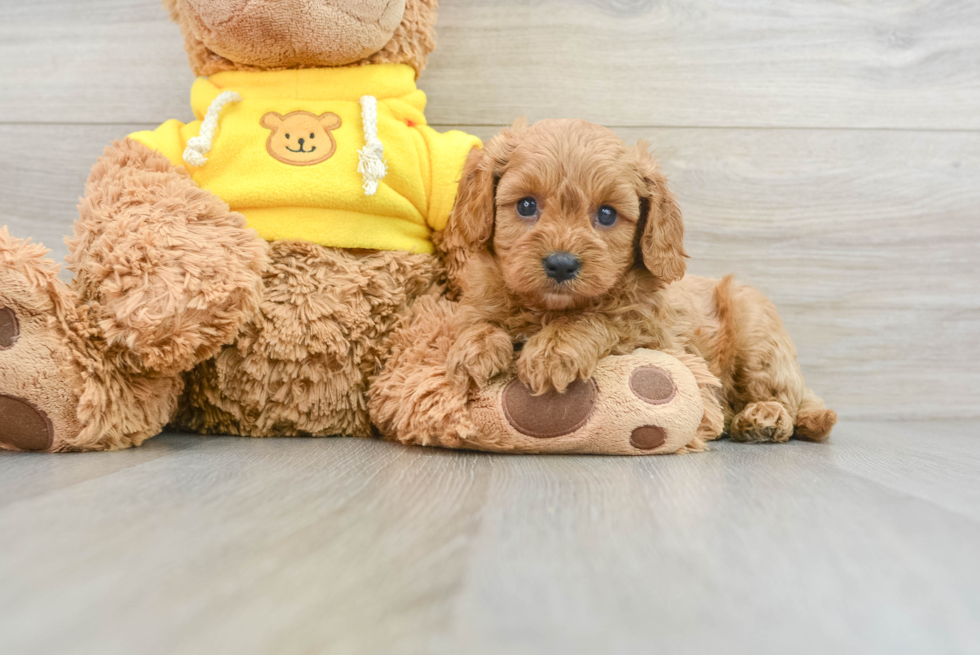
<point>301,138</point>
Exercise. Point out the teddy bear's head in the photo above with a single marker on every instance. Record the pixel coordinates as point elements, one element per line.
<point>225,35</point>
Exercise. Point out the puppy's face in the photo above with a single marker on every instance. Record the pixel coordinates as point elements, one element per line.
<point>568,210</point>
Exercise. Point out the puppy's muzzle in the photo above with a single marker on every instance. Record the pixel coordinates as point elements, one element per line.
<point>562,266</point>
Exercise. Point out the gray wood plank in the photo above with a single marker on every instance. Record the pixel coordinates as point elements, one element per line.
<point>27,477</point>
<point>900,64</point>
<point>296,545</point>
<point>936,461</point>
<point>866,241</point>
<point>289,526</point>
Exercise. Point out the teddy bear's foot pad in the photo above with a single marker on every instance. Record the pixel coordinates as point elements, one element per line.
<point>37,403</point>
<point>24,426</point>
<point>551,414</point>
<point>638,404</point>
<point>38,381</point>
<point>9,328</point>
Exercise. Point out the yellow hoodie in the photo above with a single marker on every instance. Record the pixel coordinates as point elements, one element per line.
<point>342,157</point>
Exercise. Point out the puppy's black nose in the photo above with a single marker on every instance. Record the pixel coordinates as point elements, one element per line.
<point>562,266</point>
<point>301,142</point>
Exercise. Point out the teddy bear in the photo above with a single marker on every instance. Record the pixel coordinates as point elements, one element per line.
<point>244,273</point>
<point>237,274</point>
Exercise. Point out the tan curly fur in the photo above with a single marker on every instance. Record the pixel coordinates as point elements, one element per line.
<point>629,293</point>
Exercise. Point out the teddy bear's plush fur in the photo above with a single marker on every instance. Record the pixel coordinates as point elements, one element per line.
<point>177,311</point>
<point>223,35</point>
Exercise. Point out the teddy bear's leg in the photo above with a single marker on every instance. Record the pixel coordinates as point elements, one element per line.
<point>164,275</point>
<point>58,392</point>
<point>646,402</point>
<point>301,366</point>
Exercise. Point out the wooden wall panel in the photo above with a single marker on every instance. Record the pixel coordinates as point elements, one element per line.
<point>882,63</point>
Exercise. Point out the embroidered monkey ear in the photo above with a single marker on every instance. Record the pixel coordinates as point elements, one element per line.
<point>272,120</point>
<point>329,120</point>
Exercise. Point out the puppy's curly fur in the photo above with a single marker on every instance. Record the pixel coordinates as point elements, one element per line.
<point>607,206</point>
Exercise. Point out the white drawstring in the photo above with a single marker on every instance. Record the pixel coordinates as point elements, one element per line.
<point>371,163</point>
<point>200,145</point>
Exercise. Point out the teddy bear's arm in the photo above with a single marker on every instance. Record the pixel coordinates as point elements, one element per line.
<point>171,271</point>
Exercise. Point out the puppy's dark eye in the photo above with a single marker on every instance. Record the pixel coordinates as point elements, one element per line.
<point>527,207</point>
<point>287,135</point>
<point>312,136</point>
<point>606,216</point>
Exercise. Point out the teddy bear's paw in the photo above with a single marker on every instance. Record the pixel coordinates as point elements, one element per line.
<point>645,403</point>
<point>762,421</point>
<point>38,382</point>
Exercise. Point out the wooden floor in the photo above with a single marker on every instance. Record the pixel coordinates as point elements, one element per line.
<point>227,545</point>
<point>826,152</point>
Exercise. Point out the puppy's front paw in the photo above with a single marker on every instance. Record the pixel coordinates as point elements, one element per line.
<point>478,355</point>
<point>543,367</point>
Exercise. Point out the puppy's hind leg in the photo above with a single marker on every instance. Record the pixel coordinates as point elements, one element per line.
<point>764,385</point>
<point>814,421</point>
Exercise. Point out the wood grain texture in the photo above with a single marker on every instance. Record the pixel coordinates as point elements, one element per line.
<point>880,63</point>
<point>299,545</point>
<point>866,241</point>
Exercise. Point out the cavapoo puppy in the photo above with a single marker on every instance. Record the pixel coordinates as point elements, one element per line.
<point>568,247</point>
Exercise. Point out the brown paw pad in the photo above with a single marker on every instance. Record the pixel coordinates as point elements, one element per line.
<point>653,384</point>
<point>648,437</point>
<point>24,426</point>
<point>9,328</point>
<point>552,414</point>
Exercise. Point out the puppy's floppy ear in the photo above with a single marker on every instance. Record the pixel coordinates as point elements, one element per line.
<point>659,242</point>
<point>470,224</point>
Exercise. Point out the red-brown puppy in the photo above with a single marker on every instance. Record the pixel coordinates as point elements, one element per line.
<point>566,239</point>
